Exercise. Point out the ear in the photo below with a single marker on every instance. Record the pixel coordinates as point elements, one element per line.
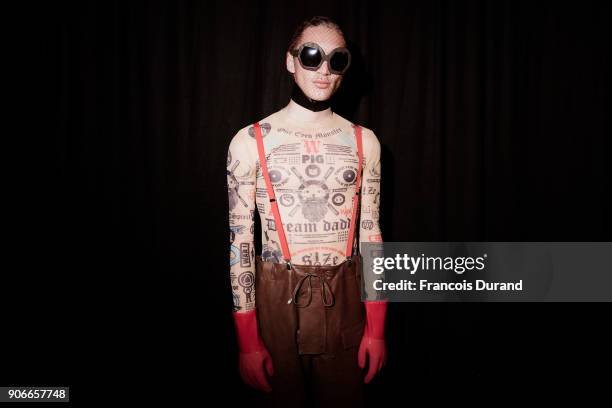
<point>290,63</point>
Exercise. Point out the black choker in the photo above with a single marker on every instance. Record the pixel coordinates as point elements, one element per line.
<point>316,106</point>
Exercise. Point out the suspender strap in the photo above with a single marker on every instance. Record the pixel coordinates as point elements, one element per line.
<point>349,242</point>
<point>272,197</point>
<point>277,220</point>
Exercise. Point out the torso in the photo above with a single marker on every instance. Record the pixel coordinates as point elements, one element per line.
<point>313,169</point>
<point>313,173</point>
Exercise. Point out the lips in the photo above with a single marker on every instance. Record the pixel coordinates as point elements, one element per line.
<point>322,84</point>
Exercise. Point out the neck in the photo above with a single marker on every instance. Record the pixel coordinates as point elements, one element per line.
<point>299,116</point>
<point>311,108</point>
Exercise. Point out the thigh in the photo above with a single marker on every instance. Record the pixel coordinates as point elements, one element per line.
<point>337,379</point>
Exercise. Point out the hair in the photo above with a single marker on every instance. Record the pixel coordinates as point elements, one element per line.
<point>312,22</point>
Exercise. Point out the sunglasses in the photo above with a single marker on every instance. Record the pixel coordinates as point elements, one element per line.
<point>311,57</point>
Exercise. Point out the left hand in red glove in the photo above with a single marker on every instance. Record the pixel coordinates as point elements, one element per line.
<point>373,340</point>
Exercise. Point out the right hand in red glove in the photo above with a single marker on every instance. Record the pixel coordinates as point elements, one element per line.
<point>373,341</point>
<point>253,355</point>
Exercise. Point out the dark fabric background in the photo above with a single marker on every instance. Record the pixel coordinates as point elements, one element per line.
<point>494,124</point>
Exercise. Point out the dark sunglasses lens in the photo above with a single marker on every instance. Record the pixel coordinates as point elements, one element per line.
<point>310,57</point>
<point>339,61</point>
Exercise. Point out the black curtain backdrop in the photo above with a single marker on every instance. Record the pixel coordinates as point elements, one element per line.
<point>494,122</point>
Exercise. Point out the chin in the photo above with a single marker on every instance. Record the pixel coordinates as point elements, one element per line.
<point>320,98</point>
<point>319,94</point>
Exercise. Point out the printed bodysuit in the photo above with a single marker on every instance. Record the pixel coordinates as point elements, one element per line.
<point>313,171</point>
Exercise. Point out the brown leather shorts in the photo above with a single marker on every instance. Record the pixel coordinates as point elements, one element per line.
<point>311,320</point>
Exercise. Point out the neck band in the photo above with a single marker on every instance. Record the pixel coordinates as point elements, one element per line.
<point>301,99</point>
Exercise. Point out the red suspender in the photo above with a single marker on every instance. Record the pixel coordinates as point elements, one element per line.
<point>272,197</point>
<point>349,242</point>
<point>277,220</point>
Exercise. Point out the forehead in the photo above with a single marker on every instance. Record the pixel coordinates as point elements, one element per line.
<point>326,37</point>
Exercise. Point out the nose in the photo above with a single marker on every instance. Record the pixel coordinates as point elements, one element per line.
<point>324,68</point>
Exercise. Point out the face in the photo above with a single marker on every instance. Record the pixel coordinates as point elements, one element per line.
<point>318,85</point>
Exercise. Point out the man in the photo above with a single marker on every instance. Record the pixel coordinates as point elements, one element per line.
<point>303,333</point>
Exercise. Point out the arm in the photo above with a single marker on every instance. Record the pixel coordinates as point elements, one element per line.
<point>373,341</point>
<point>241,184</point>
<point>241,179</point>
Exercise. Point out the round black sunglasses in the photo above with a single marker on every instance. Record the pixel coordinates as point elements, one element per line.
<point>311,57</point>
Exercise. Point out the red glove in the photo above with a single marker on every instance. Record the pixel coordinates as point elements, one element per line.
<point>373,340</point>
<point>253,355</point>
